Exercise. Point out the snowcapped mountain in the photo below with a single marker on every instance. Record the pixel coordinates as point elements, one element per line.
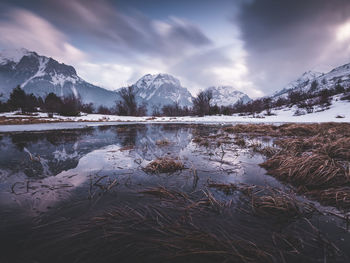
<point>161,89</point>
<point>227,95</point>
<point>305,79</point>
<point>41,75</point>
<point>337,76</point>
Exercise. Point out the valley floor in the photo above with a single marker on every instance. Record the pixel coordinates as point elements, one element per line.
<point>339,111</point>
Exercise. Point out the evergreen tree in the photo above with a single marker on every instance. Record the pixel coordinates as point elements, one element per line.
<point>17,99</point>
<point>52,103</point>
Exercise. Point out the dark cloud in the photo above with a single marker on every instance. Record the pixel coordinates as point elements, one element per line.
<point>105,23</point>
<point>285,38</point>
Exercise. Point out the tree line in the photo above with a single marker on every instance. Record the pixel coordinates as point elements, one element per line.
<point>28,103</point>
<point>302,99</point>
<point>202,104</point>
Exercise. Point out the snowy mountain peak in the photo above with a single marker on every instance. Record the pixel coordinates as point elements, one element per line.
<point>41,75</point>
<point>161,89</point>
<point>14,55</point>
<point>156,80</point>
<point>310,74</point>
<point>345,67</point>
<point>305,79</point>
<point>227,95</point>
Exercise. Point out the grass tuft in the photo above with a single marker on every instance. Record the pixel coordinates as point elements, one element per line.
<point>164,165</point>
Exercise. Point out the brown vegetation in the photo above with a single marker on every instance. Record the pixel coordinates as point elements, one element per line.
<point>164,165</point>
<point>291,129</point>
<point>163,142</point>
<point>251,128</point>
<point>267,201</point>
<point>27,120</point>
<point>194,227</point>
<point>313,157</point>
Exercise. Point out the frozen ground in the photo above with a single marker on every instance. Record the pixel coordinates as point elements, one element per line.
<point>339,111</point>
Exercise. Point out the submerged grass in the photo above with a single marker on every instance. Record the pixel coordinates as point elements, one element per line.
<point>267,201</point>
<point>190,227</point>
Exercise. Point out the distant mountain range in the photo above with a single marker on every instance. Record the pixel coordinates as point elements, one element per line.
<point>41,75</point>
<point>339,75</point>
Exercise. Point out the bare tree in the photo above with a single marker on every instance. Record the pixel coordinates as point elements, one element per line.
<point>201,104</point>
<point>128,104</point>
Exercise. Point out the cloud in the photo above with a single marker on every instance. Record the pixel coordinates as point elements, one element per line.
<point>105,75</point>
<point>114,47</point>
<point>286,38</point>
<point>104,23</point>
<point>21,28</point>
<point>216,66</point>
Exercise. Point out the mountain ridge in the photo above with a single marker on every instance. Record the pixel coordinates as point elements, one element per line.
<point>41,75</point>
<point>338,75</point>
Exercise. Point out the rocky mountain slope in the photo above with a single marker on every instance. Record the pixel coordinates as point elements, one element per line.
<point>41,75</point>
<point>339,75</point>
<point>161,89</point>
<point>227,95</point>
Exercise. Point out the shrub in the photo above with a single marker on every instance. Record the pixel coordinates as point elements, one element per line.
<point>103,110</point>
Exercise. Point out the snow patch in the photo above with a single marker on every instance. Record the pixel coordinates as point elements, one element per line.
<point>60,79</point>
<point>13,55</point>
<point>41,70</point>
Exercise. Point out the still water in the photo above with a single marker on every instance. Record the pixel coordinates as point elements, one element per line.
<point>54,182</point>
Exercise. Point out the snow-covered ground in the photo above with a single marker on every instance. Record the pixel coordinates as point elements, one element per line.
<point>338,108</point>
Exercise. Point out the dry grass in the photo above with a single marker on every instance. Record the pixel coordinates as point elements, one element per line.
<point>338,197</point>
<point>312,171</point>
<point>319,163</point>
<point>158,236</point>
<point>25,120</point>
<point>281,205</point>
<point>251,128</point>
<point>240,141</point>
<point>164,165</point>
<point>313,165</point>
<point>291,129</point>
<point>163,192</point>
<point>201,140</point>
<point>192,227</point>
<point>267,201</point>
<point>163,142</point>
<point>268,151</point>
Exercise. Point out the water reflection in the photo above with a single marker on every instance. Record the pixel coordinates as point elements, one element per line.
<point>41,168</point>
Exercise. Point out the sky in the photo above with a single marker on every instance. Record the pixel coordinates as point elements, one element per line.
<point>256,46</point>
